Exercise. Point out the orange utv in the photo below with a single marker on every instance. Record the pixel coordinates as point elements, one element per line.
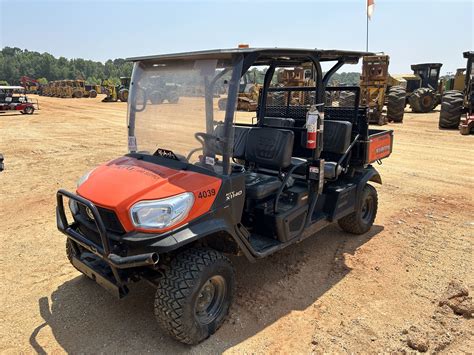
<point>199,183</point>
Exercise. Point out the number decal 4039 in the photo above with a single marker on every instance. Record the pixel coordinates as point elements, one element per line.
<point>207,193</point>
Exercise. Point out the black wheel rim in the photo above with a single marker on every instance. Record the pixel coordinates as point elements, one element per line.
<point>210,300</point>
<point>427,101</point>
<point>367,209</point>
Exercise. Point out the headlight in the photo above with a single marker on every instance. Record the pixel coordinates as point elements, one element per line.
<point>162,213</point>
<point>83,178</point>
<point>73,206</point>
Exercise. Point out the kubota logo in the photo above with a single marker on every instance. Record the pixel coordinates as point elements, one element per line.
<point>89,213</point>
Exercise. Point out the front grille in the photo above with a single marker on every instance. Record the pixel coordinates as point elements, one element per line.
<point>109,218</point>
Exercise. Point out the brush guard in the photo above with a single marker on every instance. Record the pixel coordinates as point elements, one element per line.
<point>115,284</point>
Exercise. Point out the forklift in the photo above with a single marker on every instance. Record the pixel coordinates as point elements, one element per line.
<point>198,183</point>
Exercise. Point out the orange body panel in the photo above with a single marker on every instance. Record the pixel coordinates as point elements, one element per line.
<point>380,147</point>
<point>121,183</point>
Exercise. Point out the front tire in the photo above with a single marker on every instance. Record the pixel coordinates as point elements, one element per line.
<point>71,253</point>
<point>422,100</point>
<point>362,219</point>
<point>194,296</point>
<point>451,109</point>
<point>396,104</point>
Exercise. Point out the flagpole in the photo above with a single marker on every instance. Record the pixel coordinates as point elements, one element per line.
<point>367,29</point>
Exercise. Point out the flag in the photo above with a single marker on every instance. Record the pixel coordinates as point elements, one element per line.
<point>370,8</point>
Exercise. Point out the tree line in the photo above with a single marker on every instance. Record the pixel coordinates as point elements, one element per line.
<point>44,67</point>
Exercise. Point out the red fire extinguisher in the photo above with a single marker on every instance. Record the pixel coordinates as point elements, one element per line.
<point>312,122</point>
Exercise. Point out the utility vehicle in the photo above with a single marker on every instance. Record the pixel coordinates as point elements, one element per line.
<point>13,98</point>
<point>198,183</point>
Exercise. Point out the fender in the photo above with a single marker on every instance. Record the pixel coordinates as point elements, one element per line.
<point>198,230</point>
<point>368,174</point>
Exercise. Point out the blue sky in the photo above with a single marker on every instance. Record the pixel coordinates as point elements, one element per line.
<point>410,31</point>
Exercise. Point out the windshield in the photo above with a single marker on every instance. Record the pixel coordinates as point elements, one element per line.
<point>177,109</point>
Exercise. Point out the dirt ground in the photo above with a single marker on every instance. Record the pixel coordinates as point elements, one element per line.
<point>331,293</point>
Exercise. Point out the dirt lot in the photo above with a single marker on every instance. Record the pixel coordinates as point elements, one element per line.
<point>331,293</point>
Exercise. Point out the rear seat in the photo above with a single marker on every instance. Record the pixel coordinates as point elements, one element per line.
<point>279,122</point>
<point>250,143</point>
<point>336,140</point>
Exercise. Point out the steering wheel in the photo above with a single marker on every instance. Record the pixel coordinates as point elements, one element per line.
<point>201,137</point>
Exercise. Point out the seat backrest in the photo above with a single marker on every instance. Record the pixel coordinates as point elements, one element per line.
<point>269,147</point>
<point>240,139</point>
<point>336,136</point>
<point>279,122</point>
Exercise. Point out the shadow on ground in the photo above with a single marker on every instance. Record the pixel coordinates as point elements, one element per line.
<point>85,319</point>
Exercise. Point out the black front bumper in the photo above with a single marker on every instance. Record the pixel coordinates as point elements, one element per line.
<point>112,281</point>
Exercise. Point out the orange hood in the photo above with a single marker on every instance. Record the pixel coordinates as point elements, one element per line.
<point>121,183</point>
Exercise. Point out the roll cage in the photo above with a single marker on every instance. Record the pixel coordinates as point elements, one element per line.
<point>243,60</point>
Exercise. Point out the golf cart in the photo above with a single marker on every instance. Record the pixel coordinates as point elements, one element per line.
<point>14,98</point>
<point>198,182</point>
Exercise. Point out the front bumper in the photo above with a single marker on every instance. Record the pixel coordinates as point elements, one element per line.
<point>113,281</point>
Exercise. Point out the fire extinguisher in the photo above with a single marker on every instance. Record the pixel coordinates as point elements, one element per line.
<point>314,125</point>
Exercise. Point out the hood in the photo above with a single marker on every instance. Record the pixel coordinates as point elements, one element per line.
<point>121,183</point>
<point>126,179</point>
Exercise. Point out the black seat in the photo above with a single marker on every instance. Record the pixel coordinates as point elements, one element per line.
<point>336,141</point>
<point>268,148</point>
<point>260,186</point>
<point>336,136</point>
<point>279,122</point>
<point>240,139</point>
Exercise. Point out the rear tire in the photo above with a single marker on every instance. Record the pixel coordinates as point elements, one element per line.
<point>222,104</point>
<point>194,295</point>
<point>156,97</point>
<point>361,220</point>
<point>396,98</point>
<point>451,109</point>
<point>123,95</point>
<point>93,94</point>
<point>347,99</point>
<point>422,100</point>
<point>29,110</point>
<point>173,97</point>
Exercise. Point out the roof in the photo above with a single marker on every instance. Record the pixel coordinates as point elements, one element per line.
<point>6,87</point>
<point>424,65</point>
<point>263,53</point>
<point>468,54</point>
